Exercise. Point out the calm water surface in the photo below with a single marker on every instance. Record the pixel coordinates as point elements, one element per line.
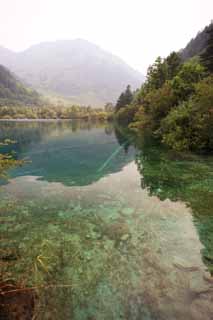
<point>104,227</point>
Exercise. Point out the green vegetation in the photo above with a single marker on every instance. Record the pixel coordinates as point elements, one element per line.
<point>125,98</point>
<point>51,112</point>
<point>176,101</point>
<point>20,102</point>
<point>7,161</point>
<point>207,56</point>
<point>13,92</point>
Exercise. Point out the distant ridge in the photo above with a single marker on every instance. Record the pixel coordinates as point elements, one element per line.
<point>75,69</point>
<point>197,45</point>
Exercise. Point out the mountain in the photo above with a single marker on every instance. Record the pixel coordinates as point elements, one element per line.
<point>13,92</point>
<point>197,45</point>
<point>74,69</point>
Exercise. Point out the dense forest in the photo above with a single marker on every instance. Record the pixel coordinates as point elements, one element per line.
<point>53,112</point>
<point>175,104</point>
<point>14,93</point>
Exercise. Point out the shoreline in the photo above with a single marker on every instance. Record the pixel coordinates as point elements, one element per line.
<point>44,120</point>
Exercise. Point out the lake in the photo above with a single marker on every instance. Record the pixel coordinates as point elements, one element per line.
<point>101,226</point>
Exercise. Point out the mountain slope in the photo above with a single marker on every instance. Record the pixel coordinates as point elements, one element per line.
<point>75,69</point>
<point>197,45</point>
<point>13,92</point>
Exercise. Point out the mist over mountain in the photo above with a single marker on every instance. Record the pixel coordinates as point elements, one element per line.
<point>74,69</point>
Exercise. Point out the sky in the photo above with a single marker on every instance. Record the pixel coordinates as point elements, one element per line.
<point>137,31</point>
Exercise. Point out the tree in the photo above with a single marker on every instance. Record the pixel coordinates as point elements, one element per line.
<point>173,64</point>
<point>128,95</point>
<point>175,103</point>
<point>184,82</point>
<point>189,126</point>
<point>156,74</point>
<point>158,103</point>
<point>207,56</point>
<point>125,98</point>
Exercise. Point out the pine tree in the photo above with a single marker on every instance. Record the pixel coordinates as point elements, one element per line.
<point>207,56</point>
<point>173,62</point>
<point>125,98</point>
<point>128,95</point>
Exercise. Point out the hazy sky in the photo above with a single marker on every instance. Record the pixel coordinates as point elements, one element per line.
<point>136,30</point>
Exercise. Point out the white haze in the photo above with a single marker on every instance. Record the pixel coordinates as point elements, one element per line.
<point>136,30</point>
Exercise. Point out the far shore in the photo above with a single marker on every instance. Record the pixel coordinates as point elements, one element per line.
<point>43,120</point>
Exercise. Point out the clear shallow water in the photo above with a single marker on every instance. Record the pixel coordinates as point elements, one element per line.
<point>105,228</point>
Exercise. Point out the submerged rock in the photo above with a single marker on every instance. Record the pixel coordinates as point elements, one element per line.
<point>118,231</point>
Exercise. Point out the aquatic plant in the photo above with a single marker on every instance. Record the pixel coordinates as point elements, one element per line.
<point>7,161</point>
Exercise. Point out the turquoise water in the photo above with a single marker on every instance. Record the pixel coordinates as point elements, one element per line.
<point>105,227</point>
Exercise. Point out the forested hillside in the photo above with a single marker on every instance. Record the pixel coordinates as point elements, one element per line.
<point>197,45</point>
<point>175,104</point>
<point>13,92</point>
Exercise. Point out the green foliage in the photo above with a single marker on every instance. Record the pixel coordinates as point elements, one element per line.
<point>51,112</point>
<point>189,126</point>
<point>13,92</point>
<point>207,56</point>
<point>176,127</point>
<point>157,104</point>
<point>161,71</point>
<point>126,115</point>
<point>175,102</point>
<point>7,161</point>
<point>125,99</point>
<point>156,74</point>
<point>184,82</point>
<point>173,62</point>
